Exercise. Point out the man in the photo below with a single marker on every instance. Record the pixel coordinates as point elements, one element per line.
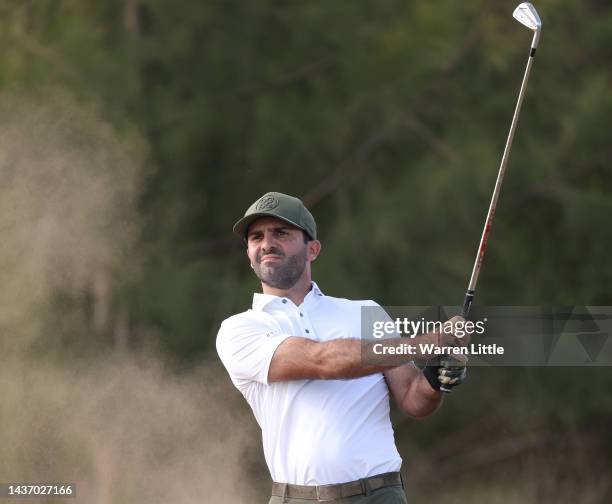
<point>296,356</point>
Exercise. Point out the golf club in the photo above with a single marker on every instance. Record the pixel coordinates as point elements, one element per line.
<point>527,15</point>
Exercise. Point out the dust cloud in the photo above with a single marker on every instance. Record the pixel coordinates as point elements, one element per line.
<point>124,431</point>
<point>125,427</point>
<point>68,215</point>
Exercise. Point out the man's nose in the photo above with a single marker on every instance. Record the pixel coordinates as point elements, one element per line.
<point>268,243</point>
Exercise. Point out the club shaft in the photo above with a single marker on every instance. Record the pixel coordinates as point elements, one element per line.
<point>469,295</point>
<point>500,177</point>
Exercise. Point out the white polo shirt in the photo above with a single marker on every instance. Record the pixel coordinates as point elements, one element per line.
<point>315,432</point>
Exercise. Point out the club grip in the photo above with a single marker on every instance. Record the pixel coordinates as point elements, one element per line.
<point>465,312</point>
<point>467,303</point>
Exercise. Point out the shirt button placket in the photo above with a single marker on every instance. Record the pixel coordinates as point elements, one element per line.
<point>305,324</point>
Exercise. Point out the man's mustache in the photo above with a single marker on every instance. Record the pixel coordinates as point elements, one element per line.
<point>271,252</point>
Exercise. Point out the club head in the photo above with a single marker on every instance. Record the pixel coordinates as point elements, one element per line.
<point>527,15</point>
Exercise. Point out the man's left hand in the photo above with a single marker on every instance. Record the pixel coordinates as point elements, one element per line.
<point>450,373</point>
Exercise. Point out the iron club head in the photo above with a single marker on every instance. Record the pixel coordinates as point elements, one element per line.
<point>527,15</point>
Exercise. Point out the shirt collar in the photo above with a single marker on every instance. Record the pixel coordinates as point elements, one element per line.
<point>260,300</point>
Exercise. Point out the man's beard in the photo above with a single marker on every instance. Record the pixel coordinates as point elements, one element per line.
<point>283,274</point>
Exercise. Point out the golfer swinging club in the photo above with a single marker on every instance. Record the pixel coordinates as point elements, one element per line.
<point>296,358</point>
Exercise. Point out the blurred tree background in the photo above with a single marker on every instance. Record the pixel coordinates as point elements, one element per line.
<point>389,119</point>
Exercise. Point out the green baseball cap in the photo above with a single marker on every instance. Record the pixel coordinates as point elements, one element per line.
<point>281,206</point>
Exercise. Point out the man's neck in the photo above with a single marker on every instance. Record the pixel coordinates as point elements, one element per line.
<point>297,293</point>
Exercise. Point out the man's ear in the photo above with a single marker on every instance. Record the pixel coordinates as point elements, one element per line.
<point>314,249</point>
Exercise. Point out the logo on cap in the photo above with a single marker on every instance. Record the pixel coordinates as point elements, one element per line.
<point>266,202</point>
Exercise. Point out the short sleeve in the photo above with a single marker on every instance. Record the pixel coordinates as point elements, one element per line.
<point>246,346</point>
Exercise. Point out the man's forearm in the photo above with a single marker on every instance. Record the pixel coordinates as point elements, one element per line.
<point>420,399</point>
<point>299,358</point>
<point>344,358</point>
<point>352,358</point>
